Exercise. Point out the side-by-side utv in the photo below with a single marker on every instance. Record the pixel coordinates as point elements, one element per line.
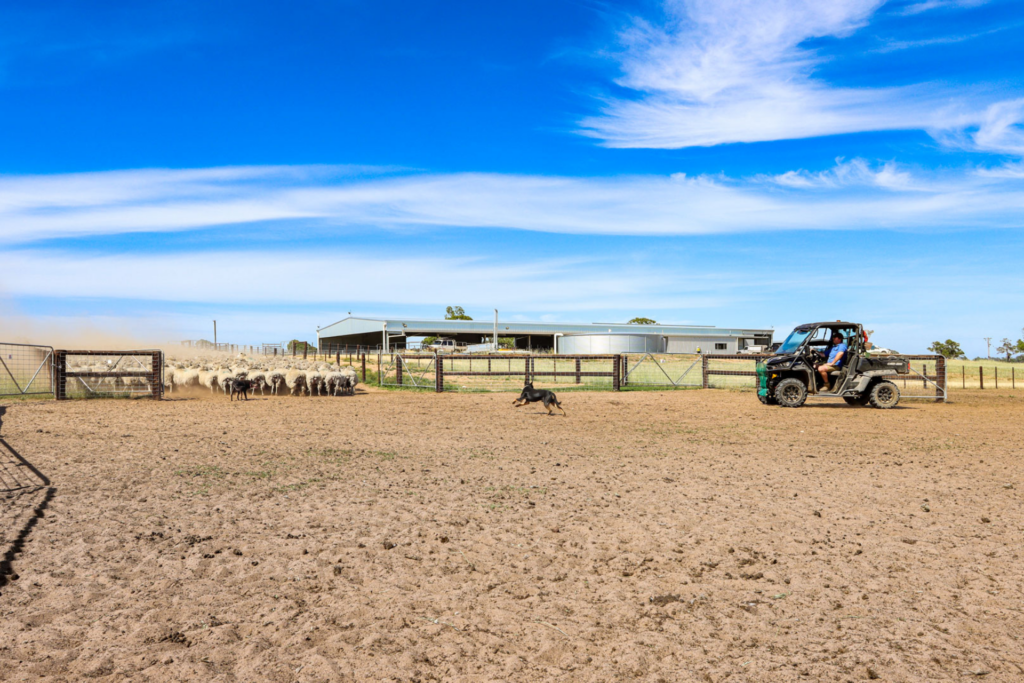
<point>788,378</point>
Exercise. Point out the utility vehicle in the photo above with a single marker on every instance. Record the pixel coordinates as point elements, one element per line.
<point>787,378</point>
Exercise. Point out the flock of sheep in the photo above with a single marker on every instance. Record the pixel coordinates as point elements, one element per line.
<point>307,378</point>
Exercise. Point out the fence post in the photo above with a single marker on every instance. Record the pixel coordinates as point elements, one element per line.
<point>981,376</point>
<point>156,386</point>
<point>578,363</point>
<point>438,373</point>
<point>526,370</point>
<point>995,372</point>
<point>625,369</point>
<point>940,379</point>
<point>364,368</point>
<point>924,378</point>
<point>704,371</point>
<point>616,367</point>
<point>337,360</point>
<point>963,376</point>
<point>60,375</point>
<point>398,369</point>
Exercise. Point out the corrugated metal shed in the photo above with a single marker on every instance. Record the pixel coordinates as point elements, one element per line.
<point>373,331</point>
<point>421,326</point>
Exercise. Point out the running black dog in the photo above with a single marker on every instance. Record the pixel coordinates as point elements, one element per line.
<point>531,395</point>
<point>240,387</point>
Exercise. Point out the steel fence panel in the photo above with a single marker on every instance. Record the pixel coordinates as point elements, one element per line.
<point>668,371</point>
<point>738,372</point>
<point>26,370</point>
<point>107,374</point>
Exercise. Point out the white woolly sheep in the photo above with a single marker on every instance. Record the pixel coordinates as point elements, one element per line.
<point>295,380</point>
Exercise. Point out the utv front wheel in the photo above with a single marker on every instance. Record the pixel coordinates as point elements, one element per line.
<point>885,395</point>
<point>791,393</point>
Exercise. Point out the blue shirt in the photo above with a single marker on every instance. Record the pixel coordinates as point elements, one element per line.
<point>836,350</point>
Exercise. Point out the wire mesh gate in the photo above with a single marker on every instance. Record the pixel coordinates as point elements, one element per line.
<point>665,371</point>
<point>926,377</point>
<point>507,372</point>
<point>412,371</point>
<point>95,374</point>
<point>26,370</point>
<point>499,372</point>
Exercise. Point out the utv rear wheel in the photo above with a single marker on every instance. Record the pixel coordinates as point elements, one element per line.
<point>885,395</point>
<point>791,393</point>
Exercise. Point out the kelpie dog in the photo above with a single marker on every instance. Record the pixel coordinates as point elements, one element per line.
<point>240,387</point>
<point>531,395</point>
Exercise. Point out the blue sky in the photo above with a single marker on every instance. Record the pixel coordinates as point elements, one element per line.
<point>725,162</point>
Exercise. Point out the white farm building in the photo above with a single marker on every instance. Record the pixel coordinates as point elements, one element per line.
<point>568,338</point>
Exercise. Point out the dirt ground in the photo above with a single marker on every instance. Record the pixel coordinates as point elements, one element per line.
<point>688,536</point>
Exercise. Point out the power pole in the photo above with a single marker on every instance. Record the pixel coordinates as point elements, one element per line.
<point>495,331</point>
<point>214,334</point>
<point>988,340</point>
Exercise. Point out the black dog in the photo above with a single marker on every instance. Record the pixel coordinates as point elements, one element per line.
<point>531,395</point>
<point>241,387</point>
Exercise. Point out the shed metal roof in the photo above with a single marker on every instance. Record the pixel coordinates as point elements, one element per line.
<point>423,327</point>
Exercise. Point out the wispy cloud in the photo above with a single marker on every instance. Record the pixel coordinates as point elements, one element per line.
<point>720,71</point>
<point>852,195</point>
<point>928,5</point>
<point>227,277</point>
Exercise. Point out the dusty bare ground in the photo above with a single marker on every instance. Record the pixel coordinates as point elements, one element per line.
<point>404,536</point>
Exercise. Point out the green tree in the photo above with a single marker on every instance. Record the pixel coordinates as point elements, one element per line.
<point>947,349</point>
<point>299,346</point>
<point>1008,347</point>
<point>455,313</point>
<point>642,321</point>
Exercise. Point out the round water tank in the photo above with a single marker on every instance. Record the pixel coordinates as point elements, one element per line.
<point>610,343</point>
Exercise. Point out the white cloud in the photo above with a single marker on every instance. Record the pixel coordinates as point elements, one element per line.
<point>855,173</point>
<point>257,276</point>
<point>721,71</point>
<point>1002,128</point>
<point>852,195</point>
<point>928,5</point>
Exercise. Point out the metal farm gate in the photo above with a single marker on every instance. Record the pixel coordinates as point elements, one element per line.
<point>95,374</point>
<point>499,372</point>
<point>664,371</point>
<point>26,370</point>
<point>926,377</point>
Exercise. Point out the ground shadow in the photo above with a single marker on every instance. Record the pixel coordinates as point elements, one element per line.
<point>26,492</point>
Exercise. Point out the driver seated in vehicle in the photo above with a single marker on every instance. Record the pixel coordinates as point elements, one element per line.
<point>836,355</point>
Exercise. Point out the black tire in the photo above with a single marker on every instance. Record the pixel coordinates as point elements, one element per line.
<point>861,400</point>
<point>767,399</point>
<point>885,395</point>
<point>791,393</point>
